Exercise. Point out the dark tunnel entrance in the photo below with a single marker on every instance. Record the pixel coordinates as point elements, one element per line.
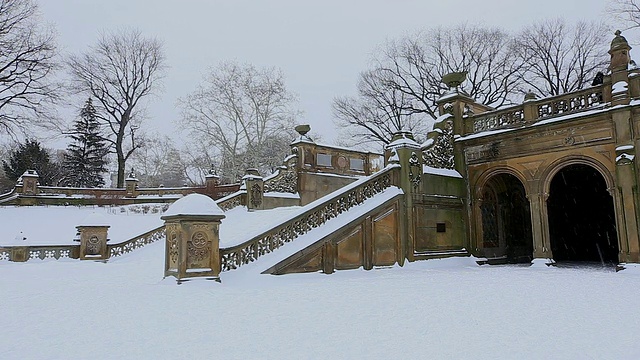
<point>582,220</point>
<point>506,221</point>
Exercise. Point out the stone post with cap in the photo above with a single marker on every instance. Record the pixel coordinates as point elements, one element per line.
<point>93,237</point>
<point>255,189</point>
<point>192,238</point>
<point>131,185</point>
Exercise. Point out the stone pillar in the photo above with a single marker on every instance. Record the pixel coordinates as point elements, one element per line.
<point>255,190</point>
<point>530,107</point>
<point>619,64</point>
<point>29,182</point>
<point>19,253</point>
<point>192,238</point>
<point>627,204</point>
<point>405,151</point>
<point>212,180</point>
<point>131,185</point>
<point>540,229</point>
<point>93,238</point>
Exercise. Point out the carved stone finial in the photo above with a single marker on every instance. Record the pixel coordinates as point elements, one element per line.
<point>619,42</point>
<point>530,95</point>
<point>454,79</point>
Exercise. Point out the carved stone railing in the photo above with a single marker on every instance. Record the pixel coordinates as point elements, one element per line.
<point>317,214</point>
<point>569,103</point>
<point>25,253</point>
<point>499,119</point>
<point>8,196</point>
<point>229,202</point>
<point>285,179</point>
<point>137,242</point>
<point>535,110</point>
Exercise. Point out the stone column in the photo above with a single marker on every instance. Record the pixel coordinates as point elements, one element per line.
<point>255,190</point>
<point>540,229</point>
<point>93,238</point>
<point>30,182</point>
<point>192,238</point>
<point>211,183</point>
<point>404,150</point>
<point>131,185</point>
<point>628,231</point>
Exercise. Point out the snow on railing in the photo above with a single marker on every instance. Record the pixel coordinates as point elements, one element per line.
<point>25,253</point>
<point>309,217</point>
<point>136,242</point>
<point>539,109</point>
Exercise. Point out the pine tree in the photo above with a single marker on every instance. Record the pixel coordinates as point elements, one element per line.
<point>85,160</point>
<point>31,156</point>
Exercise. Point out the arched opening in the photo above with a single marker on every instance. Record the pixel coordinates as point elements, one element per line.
<point>582,222</point>
<point>506,221</point>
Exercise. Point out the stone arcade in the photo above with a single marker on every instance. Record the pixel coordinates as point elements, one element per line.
<point>548,180</point>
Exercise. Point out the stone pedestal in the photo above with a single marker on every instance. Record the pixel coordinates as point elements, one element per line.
<point>192,238</point>
<point>93,242</point>
<point>255,190</point>
<point>29,182</point>
<point>131,185</point>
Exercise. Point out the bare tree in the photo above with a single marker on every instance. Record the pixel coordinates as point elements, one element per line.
<point>407,74</point>
<point>560,58</point>
<point>377,112</point>
<point>119,72</point>
<point>240,110</point>
<point>27,61</point>
<point>627,11</point>
<point>159,162</point>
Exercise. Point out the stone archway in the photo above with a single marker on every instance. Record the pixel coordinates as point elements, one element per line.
<point>505,216</point>
<point>581,215</point>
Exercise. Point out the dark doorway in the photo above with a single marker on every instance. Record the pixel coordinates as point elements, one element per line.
<point>582,220</point>
<point>506,221</point>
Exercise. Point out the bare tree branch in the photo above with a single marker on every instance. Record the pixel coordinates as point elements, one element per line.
<point>559,58</point>
<point>119,71</point>
<point>246,114</point>
<point>27,63</point>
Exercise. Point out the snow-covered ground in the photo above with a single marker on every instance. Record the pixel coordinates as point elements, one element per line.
<point>56,225</point>
<point>444,309</point>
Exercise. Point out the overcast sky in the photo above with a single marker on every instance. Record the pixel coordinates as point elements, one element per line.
<point>321,46</point>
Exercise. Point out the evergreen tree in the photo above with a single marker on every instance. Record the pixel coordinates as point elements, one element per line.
<point>85,160</point>
<point>31,156</point>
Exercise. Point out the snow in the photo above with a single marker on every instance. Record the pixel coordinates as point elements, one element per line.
<point>442,172</point>
<point>277,194</point>
<point>552,119</point>
<point>335,147</point>
<point>625,147</point>
<point>56,225</point>
<point>427,143</point>
<point>442,309</point>
<point>318,233</point>
<point>625,156</point>
<point>95,219</point>
<point>402,142</point>
<point>194,204</point>
<point>619,87</point>
<point>241,225</point>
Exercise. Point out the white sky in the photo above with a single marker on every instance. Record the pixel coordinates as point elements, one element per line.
<point>321,46</point>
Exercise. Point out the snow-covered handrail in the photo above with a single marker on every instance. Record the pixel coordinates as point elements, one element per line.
<point>11,195</point>
<point>137,242</point>
<point>518,115</point>
<point>308,217</point>
<point>42,252</point>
